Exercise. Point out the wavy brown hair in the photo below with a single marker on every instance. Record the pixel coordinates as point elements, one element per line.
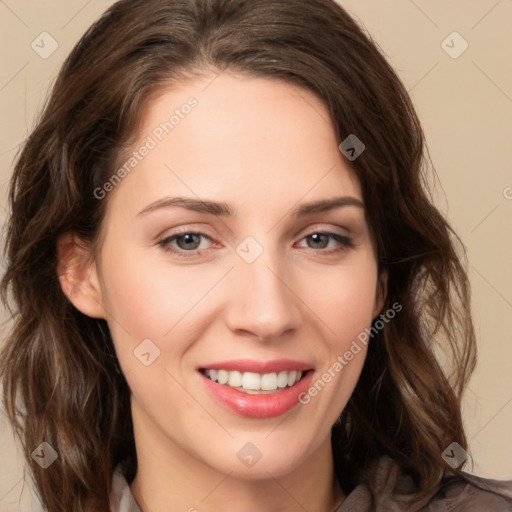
<point>61,379</point>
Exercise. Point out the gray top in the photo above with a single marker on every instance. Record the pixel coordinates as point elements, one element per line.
<point>389,490</point>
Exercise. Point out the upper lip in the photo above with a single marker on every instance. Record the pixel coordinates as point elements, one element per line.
<point>251,365</point>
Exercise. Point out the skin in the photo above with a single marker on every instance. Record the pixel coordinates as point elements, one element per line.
<point>264,148</point>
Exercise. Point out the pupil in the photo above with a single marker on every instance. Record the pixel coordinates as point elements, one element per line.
<point>188,241</point>
<point>319,240</point>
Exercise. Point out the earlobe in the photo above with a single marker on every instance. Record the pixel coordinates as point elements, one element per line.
<point>78,276</point>
<point>381,292</point>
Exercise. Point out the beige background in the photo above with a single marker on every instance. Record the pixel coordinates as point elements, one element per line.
<point>465,105</point>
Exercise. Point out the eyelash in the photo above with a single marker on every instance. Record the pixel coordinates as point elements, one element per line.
<point>344,241</point>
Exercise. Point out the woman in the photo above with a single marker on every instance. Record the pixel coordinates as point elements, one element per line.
<point>228,279</point>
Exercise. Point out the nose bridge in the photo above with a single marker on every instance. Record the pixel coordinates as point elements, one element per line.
<point>262,302</point>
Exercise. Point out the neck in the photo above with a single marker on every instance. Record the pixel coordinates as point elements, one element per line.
<point>168,478</point>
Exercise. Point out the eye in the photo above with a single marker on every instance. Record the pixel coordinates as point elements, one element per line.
<point>191,243</point>
<point>327,242</point>
<point>186,242</point>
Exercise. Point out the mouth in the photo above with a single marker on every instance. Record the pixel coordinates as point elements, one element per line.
<point>254,383</point>
<point>256,389</point>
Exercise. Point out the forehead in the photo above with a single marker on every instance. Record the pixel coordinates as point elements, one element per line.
<point>244,140</point>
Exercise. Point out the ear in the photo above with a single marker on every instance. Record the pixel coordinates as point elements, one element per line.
<point>381,292</point>
<point>78,275</point>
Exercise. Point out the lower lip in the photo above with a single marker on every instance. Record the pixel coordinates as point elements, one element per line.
<point>258,406</point>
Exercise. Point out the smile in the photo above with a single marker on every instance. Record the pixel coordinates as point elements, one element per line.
<point>256,389</point>
<point>254,383</point>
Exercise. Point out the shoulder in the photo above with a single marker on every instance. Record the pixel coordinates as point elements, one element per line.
<point>387,487</point>
<point>472,493</point>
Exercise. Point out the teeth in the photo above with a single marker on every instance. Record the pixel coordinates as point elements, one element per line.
<point>268,381</point>
<point>223,377</point>
<point>282,379</point>
<point>251,382</point>
<point>235,379</point>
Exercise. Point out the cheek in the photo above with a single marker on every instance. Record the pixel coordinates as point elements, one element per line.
<point>138,303</point>
<point>344,303</point>
<point>343,299</point>
<point>148,297</point>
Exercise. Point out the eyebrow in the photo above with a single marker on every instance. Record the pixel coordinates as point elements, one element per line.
<point>223,210</point>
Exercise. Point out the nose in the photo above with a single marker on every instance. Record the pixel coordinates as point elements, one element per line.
<point>262,303</point>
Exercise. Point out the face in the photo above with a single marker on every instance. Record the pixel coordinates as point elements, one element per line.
<point>236,269</point>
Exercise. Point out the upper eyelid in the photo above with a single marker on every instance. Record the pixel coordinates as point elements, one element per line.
<point>304,231</point>
<point>314,227</point>
<point>320,227</point>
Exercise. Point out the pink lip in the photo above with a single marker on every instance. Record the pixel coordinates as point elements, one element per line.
<point>250,365</point>
<point>257,406</point>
